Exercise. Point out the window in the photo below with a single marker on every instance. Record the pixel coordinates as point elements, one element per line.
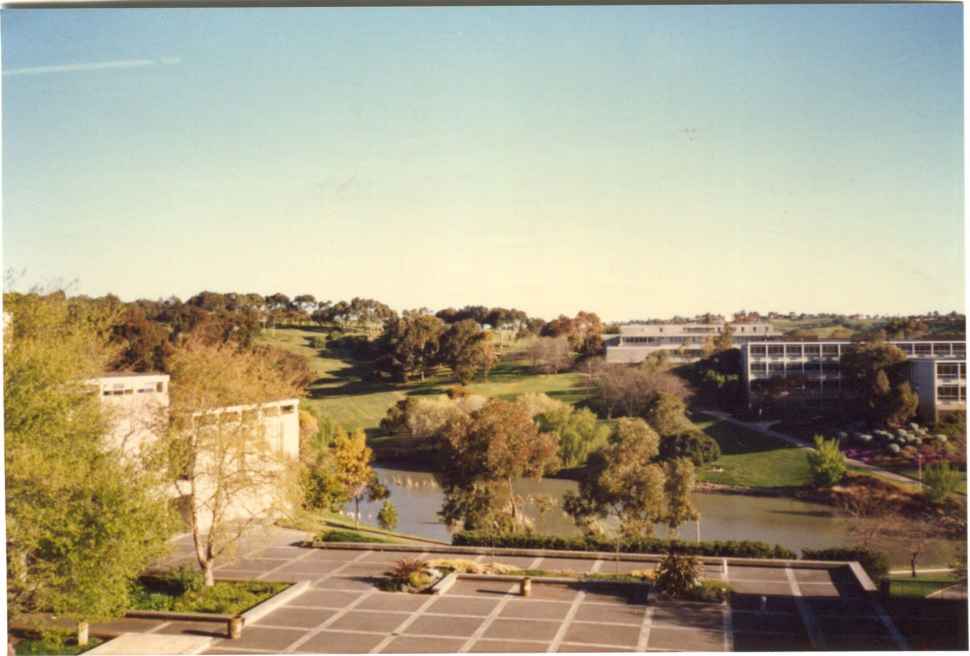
<point>287,409</point>
<point>941,349</point>
<point>758,350</point>
<point>948,370</point>
<point>906,348</point>
<point>830,350</point>
<point>776,351</point>
<point>793,350</point>
<point>812,350</point>
<point>948,393</point>
<point>923,349</point>
<point>758,367</point>
<point>159,387</point>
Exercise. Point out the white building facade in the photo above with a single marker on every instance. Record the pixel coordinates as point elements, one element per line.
<point>680,341</point>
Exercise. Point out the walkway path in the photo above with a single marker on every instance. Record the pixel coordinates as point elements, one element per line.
<point>765,428</point>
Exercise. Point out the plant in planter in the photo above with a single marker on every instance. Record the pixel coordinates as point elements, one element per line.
<point>411,575</point>
<point>678,575</point>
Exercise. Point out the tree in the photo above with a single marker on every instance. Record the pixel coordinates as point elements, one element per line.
<point>387,517</point>
<point>354,476</point>
<point>579,432</point>
<point>632,389</point>
<point>481,456</point>
<point>875,372</point>
<point>467,349</point>
<point>83,519</point>
<point>667,414</point>
<point>550,354</point>
<point>680,478</point>
<point>826,461</point>
<point>231,476</point>
<point>410,345</point>
<point>623,481</point>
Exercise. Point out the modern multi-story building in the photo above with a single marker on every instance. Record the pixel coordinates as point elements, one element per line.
<point>937,370</point>
<point>138,411</point>
<point>681,341</point>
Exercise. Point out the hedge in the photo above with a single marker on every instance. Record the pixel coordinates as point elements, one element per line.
<point>876,563</point>
<point>741,549</point>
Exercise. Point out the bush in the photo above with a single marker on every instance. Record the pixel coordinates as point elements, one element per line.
<point>693,444</point>
<point>876,563</point>
<point>387,517</point>
<point>318,342</point>
<point>741,549</point>
<point>408,574</point>
<point>678,575</point>
<point>827,462</point>
<point>940,481</point>
<point>330,535</point>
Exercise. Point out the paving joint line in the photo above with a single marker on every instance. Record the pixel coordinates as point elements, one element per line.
<point>490,618</point>
<point>156,629</point>
<point>643,638</point>
<point>402,627</point>
<point>309,635</point>
<point>808,618</point>
<point>566,621</point>
<point>286,563</point>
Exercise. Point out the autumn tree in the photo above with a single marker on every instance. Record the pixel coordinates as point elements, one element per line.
<point>622,481</point>
<point>83,517</point>
<point>550,354</point>
<point>232,476</point>
<point>481,456</point>
<point>354,476</point>
<point>578,431</point>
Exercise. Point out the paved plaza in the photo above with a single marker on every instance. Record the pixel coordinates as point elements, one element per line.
<point>344,612</point>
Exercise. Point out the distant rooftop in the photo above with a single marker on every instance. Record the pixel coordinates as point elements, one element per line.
<point>132,374</point>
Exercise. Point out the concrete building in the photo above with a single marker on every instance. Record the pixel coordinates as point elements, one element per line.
<point>138,410</point>
<point>681,341</point>
<point>936,370</point>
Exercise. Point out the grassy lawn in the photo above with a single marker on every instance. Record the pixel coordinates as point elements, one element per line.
<point>54,645</point>
<point>904,585</point>
<point>752,459</point>
<point>343,393</point>
<point>342,529</point>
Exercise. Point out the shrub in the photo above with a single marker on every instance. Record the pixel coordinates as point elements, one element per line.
<point>678,575</point>
<point>318,342</point>
<point>741,549</point>
<point>331,535</point>
<point>408,573</point>
<point>189,579</point>
<point>940,481</point>
<point>876,563</point>
<point>387,517</point>
<point>827,462</point>
<point>693,444</point>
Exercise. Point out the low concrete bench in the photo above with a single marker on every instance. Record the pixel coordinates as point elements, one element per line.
<point>234,623</point>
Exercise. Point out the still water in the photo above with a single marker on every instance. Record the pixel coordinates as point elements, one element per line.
<point>775,520</point>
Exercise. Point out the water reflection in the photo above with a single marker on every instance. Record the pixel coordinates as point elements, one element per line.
<point>777,520</point>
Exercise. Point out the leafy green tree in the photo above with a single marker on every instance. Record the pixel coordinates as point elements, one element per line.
<point>622,481</point>
<point>680,479</point>
<point>875,372</point>
<point>940,481</point>
<point>579,432</point>
<point>387,517</point>
<point>826,461</point>
<point>83,519</point>
<point>467,349</point>
<point>410,345</point>
<point>481,456</point>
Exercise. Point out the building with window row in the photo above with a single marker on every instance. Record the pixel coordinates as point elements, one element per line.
<point>681,341</point>
<point>937,371</point>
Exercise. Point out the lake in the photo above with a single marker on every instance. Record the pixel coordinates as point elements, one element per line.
<point>777,520</point>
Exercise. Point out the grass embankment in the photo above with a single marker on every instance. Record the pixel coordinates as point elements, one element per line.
<point>341,529</point>
<point>344,392</point>
<point>904,585</point>
<point>54,644</point>
<point>751,459</point>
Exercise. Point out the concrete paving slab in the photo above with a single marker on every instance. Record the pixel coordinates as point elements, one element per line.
<point>445,626</point>
<point>326,598</point>
<point>613,594</point>
<point>414,645</point>
<point>536,610</point>
<point>338,642</point>
<point>388,556</point>
<point>284,552</point>
<point>257,637</point>
<point>625,567</point>
<point>775,602</point>
<point>136,644</point>
<point>818,590</point>
<point>306,618</point>
<point>252,564</point>
<point>215,630</point>
<point>701,618</point>
<point>555,591</point>
<point>571,647</point>
<point>505,647</point>
<point>611,613</point>
<point>393,601</point>
<point>685,639</point>
<point>813,575</point>
<point>365,569</point>
<point>773,622</point>
<point>831,625</point>
<point>481,588</point>
<point>522,629</point>
<point>340,582</point>
<point>367,620</point>
<point>761,587</point>
<point>603,634</point>
<point>742,573</point>
<point>124,625</point>
<point>338,555</point>
<point>748,641</point>
<point>464,605</point>
<point>522,562</point>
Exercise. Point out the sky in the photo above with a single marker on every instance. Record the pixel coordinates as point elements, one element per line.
<point>632,161</point>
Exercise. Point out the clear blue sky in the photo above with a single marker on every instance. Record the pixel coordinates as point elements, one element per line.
<point>632,161</point>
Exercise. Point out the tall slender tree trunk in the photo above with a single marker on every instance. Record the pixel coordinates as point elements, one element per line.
<point>356,512</point>
<point>515,510</point>
<point>208,573</point>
